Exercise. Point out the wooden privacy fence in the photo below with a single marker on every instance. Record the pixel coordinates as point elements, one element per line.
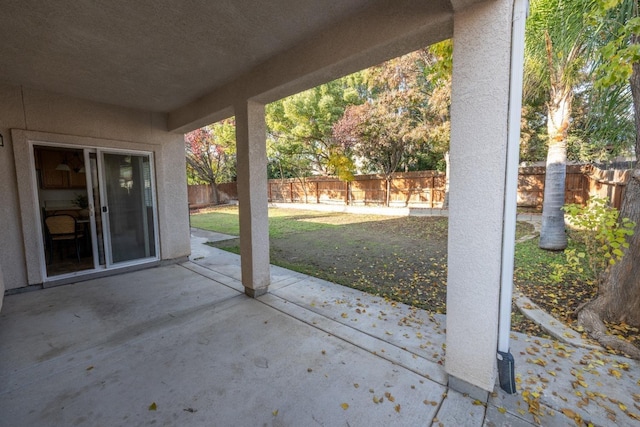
<point>582,182</point>
<point>202,194</point>
<point>425,189</point>
<point>415,189</point>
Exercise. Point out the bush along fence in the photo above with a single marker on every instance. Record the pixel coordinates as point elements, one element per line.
<point>423,189</point>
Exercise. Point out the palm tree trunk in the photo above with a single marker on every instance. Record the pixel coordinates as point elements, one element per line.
<point>552,233</point>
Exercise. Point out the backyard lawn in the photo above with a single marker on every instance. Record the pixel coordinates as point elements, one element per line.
<point>399,258</point>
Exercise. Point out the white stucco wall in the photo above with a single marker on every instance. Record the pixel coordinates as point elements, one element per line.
<point>11,247</point>
<point>42,116</point>
<point>479,105</point>
<point>252,197</point>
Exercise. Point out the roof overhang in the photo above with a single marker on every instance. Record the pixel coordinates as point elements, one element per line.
<point>195,59</point>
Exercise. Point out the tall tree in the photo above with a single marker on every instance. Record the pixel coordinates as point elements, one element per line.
<point>306,120</point>
<point>401,120</point>
<point>211,154</point>
<point>618,298</point>
<point>557,41</point>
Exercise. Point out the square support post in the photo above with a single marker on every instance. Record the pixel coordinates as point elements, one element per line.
<point>252,197</point>
<point>479,135</point>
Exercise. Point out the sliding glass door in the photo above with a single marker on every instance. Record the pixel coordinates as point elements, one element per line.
<point>97,208</point>
<point>128,207</point>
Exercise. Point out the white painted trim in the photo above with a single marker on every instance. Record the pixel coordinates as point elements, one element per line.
<point>511,176</point>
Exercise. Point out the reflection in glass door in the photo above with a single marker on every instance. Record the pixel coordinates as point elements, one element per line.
<point>128,207</point>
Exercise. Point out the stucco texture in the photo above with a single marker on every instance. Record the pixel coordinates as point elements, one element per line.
<point>52,118</point>
<point>480,99</point>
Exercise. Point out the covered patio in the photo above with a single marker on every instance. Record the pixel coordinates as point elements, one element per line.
<point>118,84</point>
<point>183,345</point>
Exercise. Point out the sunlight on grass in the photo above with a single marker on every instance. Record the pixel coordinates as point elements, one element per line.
<point>221,220</point>
<point>281,221</point>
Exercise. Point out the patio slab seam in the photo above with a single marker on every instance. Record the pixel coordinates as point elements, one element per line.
<point>216,276</point>
<point>372,344</point>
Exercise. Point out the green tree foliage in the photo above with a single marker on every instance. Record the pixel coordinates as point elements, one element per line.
<point>287,159</point>
<point>304,121</point>
<point>621,22</point>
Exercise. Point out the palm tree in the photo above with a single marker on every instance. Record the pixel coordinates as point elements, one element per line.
<point>558,45</point>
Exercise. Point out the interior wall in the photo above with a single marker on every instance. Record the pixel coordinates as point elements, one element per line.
<point>27,114</point>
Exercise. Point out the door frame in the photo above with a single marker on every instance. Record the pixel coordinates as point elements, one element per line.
<point>34,205</point>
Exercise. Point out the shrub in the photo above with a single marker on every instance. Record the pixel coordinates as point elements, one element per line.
<point>603,237</point>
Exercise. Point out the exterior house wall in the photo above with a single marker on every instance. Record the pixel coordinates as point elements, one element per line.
<point>35,115</point>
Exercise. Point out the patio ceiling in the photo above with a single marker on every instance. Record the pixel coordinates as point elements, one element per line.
<point>167,56</point>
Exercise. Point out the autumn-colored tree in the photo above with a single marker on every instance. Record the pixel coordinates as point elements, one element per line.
<point>401,120</point>
<point>211,155</point>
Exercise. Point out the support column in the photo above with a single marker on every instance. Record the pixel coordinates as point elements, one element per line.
<point>479,133</point>
<point>252,197</point>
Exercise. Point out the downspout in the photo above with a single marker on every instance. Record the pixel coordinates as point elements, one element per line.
<point>505,358</point>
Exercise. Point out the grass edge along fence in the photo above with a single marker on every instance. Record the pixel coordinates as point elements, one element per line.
<point>423,189</point>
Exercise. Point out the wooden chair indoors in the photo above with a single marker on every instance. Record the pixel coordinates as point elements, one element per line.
<point>62,230</point>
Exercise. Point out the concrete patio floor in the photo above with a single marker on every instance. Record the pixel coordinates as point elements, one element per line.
<point>182,345</point>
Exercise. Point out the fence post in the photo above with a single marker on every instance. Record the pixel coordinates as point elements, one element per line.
<point>433,186</point>
<point>318,192</point>
<point>346,194</point>
<point>291,191</point>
